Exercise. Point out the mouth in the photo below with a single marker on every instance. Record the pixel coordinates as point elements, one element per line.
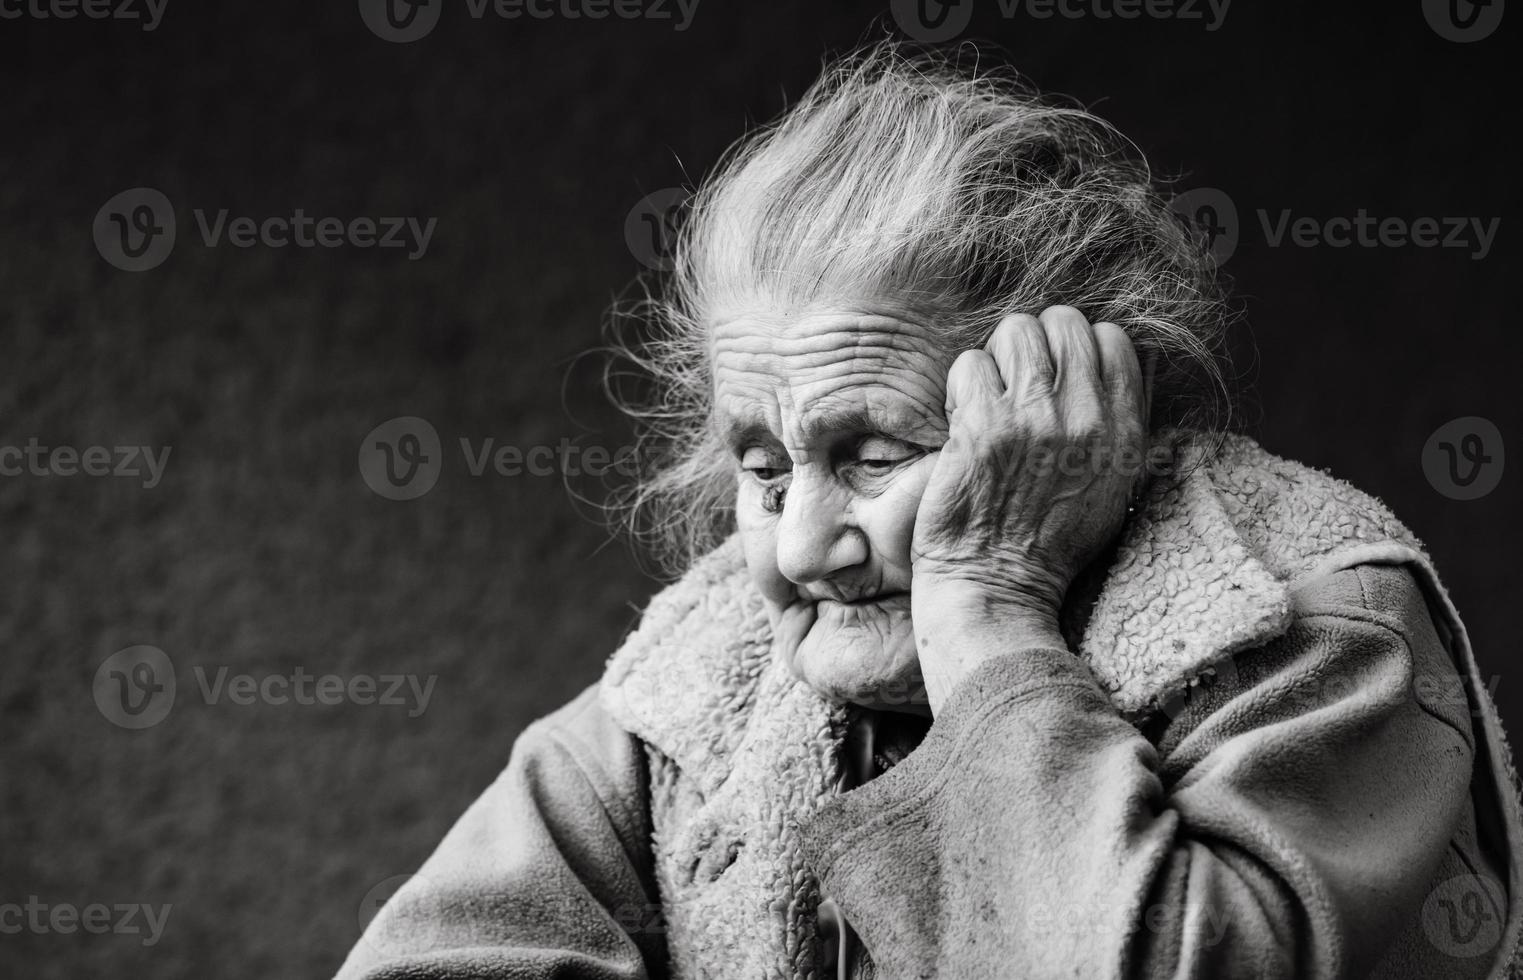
<point>883,600</point>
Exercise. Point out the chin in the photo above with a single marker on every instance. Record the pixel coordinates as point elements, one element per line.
<point>863,653</point>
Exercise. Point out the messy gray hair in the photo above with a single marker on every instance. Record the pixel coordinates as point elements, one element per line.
<point>917,181</point>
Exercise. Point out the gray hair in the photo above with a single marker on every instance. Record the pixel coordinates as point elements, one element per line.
<point>953,193</point>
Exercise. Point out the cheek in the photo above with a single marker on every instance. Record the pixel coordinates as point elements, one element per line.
<point>758,542</point>
<point>888,519</point>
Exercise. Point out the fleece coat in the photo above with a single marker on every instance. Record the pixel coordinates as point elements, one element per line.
<point>1269,752</point>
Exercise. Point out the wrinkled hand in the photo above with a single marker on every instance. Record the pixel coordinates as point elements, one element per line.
<point>1048,432</point>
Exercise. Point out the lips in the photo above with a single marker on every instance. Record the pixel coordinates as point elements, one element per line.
<point>849,650</point>
<point>859,599</point>
<point>876,608</point>
<point>885,599</point>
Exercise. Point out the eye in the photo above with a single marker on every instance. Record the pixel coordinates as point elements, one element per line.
<point>878,454</point>
<point>764,464</point>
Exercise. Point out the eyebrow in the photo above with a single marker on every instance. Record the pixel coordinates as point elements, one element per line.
<point>853,420</point>
<point>739,430</point>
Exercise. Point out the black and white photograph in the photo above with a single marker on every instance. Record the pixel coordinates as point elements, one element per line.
<point>739,490</point>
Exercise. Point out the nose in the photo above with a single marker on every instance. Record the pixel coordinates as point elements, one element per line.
<point>815,535</point>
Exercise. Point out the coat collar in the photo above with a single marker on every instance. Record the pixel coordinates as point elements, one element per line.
<point>1185,591</point>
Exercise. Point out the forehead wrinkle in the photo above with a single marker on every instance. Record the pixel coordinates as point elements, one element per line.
<point>765,331</point>
<point>827,418</point>
<point>885,385</point>
<point>823,349</point>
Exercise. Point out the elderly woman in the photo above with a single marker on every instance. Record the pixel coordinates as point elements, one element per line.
<point>994,656</point>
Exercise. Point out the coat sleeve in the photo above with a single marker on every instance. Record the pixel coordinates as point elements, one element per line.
<point>1288,824</point>
<point>548,874</point>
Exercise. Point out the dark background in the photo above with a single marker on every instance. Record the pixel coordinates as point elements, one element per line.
<point>531,141</point>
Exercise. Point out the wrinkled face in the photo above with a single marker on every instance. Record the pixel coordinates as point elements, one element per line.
<point>833,420</point>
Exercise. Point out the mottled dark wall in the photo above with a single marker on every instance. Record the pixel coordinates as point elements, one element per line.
<point>262,550</point>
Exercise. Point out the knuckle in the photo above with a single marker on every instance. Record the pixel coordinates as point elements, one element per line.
<point>1043,426</point>
<point>1084,427</point>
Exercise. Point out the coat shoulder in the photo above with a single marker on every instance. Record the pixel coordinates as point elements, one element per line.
<point>1206,568</point>
<point>1296,519</point>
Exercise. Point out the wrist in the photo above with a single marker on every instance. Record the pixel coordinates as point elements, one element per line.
<point>975,612</point>
<point>959,626</point>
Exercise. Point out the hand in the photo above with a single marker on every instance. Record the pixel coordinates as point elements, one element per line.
<point>1048,432</point>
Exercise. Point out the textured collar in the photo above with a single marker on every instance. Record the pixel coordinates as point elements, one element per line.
<point>1184,592</point>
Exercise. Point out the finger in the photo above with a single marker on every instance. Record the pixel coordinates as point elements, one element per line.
<point>1019,349</point>
<point>1127,392</point>
<point>973,377</point>
<point>1075,358</point>
<point>1076,367</point>
<point>1121,375</point>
